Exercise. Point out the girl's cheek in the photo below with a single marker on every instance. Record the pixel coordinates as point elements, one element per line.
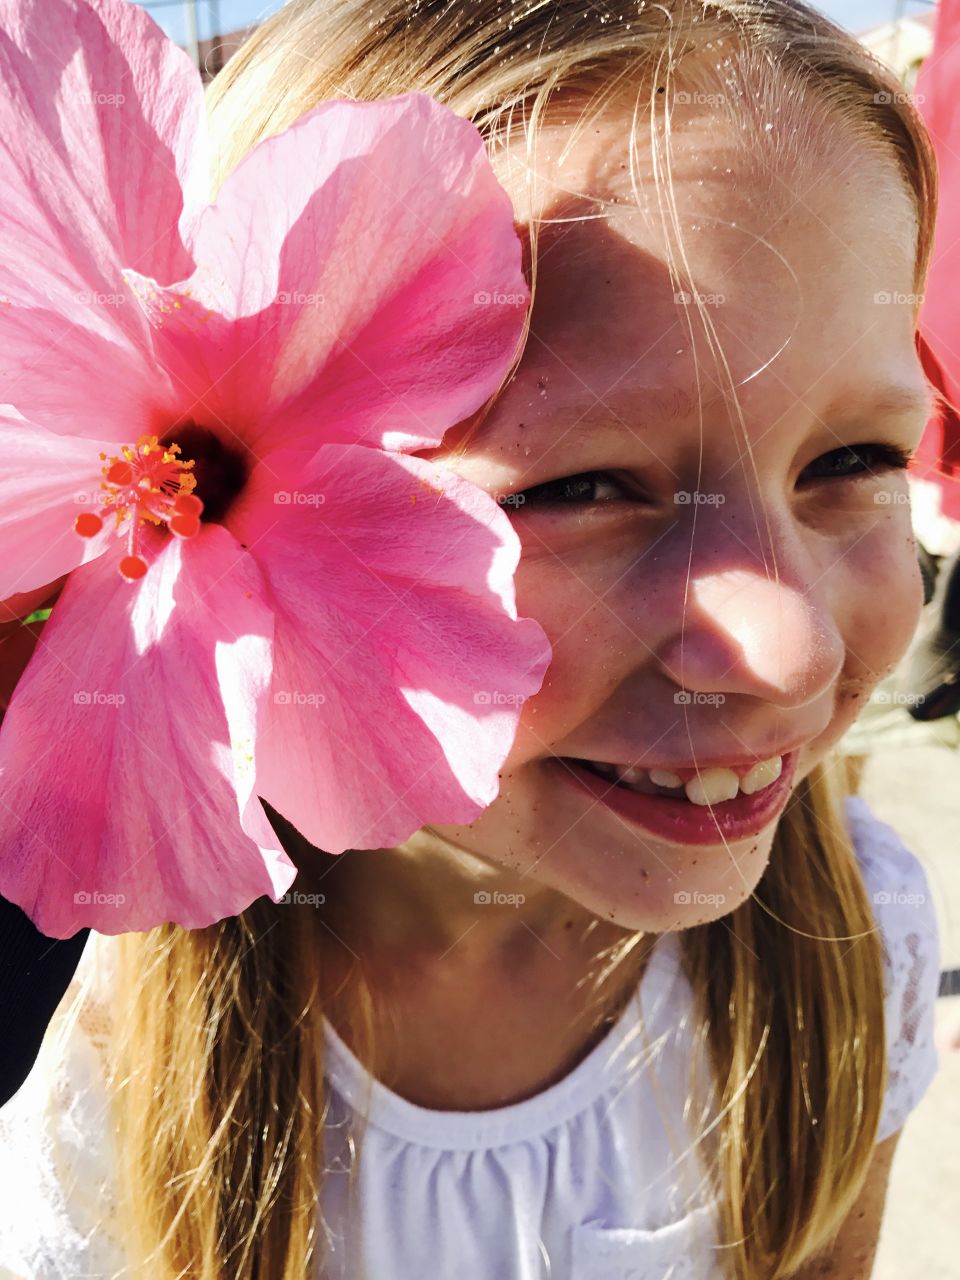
<point>599,640</point>
<point>579,680</point>
<point>880,597</point>
<point>593,654</point>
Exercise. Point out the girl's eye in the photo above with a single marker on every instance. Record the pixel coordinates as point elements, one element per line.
<point>584,489</point>
<point>853,461</point>
<point>599,488</point>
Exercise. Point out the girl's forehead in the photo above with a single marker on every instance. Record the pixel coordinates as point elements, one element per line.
<point>787,261</point>
<point>720,187</point>
<point>798,338</point>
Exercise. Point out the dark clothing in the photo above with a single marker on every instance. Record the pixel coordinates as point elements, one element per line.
<point>35,971</point>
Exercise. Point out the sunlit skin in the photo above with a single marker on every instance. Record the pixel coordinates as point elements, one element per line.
<point>791,598</point>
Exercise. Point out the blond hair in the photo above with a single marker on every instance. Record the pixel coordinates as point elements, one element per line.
<point>218,1085</point>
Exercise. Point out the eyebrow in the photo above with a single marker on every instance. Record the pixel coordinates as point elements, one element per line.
<point>889,401</point>
<point>573,419</point>
<point>663,405</point>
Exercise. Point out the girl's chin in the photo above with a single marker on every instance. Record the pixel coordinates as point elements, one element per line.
<point>660,889</point>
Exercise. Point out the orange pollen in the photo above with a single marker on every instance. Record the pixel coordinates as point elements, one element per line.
<point>149,482</point>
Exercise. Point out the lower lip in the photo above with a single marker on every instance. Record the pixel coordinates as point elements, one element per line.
<point>680,821</point>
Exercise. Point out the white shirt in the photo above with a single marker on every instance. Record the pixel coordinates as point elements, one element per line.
<point>598,1177</point>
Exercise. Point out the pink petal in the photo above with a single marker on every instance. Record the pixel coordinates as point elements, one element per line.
<point>335,296</point>
<point>59,372</point>
<point>101,118</point>
<point>46,481</point>
<point>400,666</point>
<point>114,112</point>
<point>150,797</point>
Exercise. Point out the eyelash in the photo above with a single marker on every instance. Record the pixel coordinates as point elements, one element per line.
<point>886,457</point>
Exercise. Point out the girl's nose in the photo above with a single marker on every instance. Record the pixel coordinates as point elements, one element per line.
<point>743,633</point>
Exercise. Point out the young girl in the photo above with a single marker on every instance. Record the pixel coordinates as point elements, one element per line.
<point>663,1010</point>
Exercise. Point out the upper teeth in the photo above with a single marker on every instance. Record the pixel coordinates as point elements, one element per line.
<point>664,778</point>
<point>761,775</point>
<point>710,786</point>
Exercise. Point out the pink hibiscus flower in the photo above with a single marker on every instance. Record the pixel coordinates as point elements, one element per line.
<point>208,417</point>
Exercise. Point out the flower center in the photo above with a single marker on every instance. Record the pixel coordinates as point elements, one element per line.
<point>152,481</point>
<point>220,469</point>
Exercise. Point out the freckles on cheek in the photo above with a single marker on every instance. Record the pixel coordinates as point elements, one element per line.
<point>585,667</point>
<point>578,681</point>
<point>881,597</point>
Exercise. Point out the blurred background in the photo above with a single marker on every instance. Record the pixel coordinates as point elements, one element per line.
<point>907,766</point>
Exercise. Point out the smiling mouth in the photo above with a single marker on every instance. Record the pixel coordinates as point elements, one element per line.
<point>710,786</point>
<point>715,806</point>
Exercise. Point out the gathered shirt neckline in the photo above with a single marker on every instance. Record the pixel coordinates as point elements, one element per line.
<point>519,1121</point>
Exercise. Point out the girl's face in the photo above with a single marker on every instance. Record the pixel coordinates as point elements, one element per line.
<point>723,579</point>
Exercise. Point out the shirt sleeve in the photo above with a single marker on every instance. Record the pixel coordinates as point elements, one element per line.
<point>57,1205</point>
<point>899,894</point>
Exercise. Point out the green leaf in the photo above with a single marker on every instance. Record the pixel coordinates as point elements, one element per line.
<point>38,615</point>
